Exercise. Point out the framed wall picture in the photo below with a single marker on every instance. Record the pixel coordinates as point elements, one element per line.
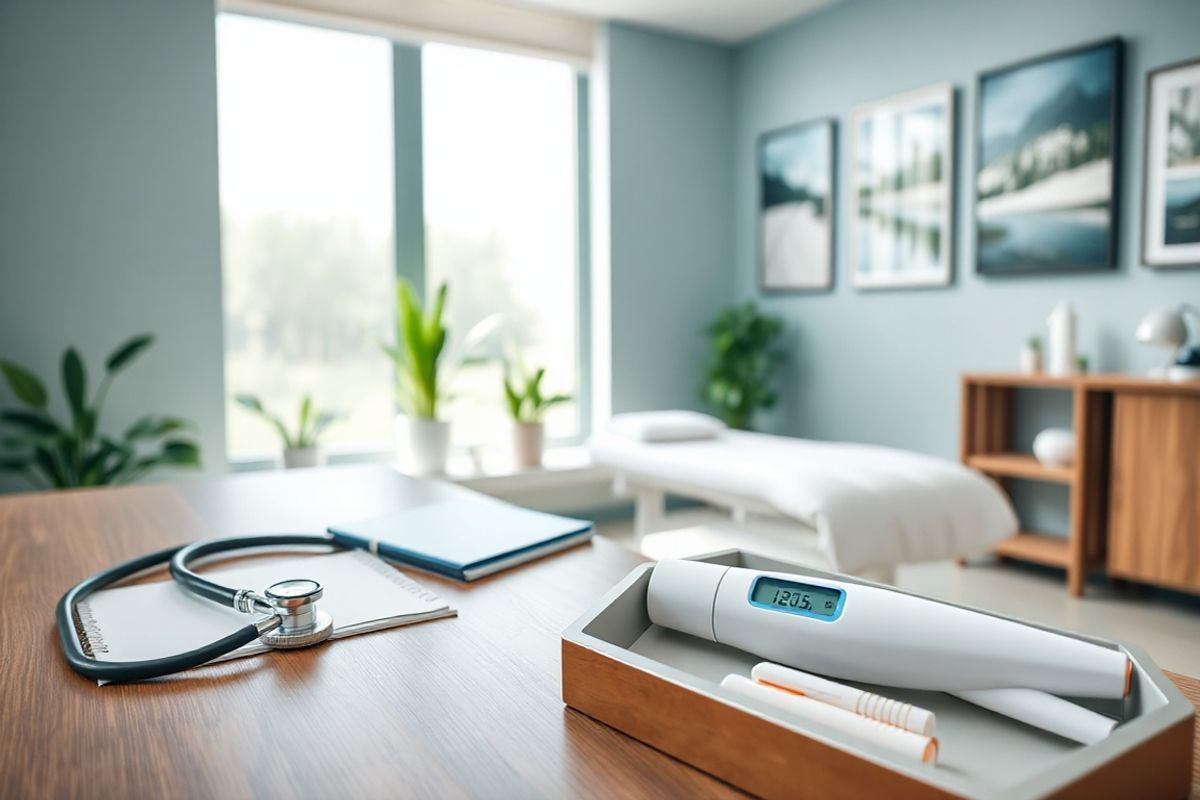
<point>795,212</point>
<point>1047,146</point>
<point>1171,171</point>
<point>902,190</point>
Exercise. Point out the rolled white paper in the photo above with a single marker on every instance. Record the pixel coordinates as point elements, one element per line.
<point>1045,711</point>
<point>875,706</point>
<point>895,740</point>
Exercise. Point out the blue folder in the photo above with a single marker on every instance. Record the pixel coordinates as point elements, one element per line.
<point>464,539</point>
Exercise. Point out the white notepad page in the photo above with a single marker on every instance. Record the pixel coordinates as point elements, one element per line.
<point>362,593</point>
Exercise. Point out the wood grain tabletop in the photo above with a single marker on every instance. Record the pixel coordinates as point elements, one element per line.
<point>463,707</point>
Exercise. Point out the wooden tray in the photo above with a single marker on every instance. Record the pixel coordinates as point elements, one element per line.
<point>662,687</point>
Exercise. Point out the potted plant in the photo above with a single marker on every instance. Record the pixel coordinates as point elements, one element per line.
<point>528,406</point>
<point>742,357</point>
<point>1031,356</point>
<point>302,448</point>
<point>49,453</point>
<point>422,437</point>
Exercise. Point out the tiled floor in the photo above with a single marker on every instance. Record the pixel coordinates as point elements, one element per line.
<point>1167,626</point>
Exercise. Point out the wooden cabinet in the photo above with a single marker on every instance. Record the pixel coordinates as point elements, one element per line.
<point>1135,484</point>
<point>1154,503</point>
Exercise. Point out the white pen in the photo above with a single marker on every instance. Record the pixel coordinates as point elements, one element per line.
<point>874,706</point>
<point>895,740</point>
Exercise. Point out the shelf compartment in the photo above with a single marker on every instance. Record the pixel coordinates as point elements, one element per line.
<point>1040,548</point>
<point>1019,465</point>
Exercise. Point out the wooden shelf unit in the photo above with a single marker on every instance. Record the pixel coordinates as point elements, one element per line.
<point>1019,465</point>
<point>1040,548</point>
<point>1134,483</point>
<point>986,444</point>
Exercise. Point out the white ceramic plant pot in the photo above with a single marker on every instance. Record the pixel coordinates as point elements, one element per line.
<point>1055,447</point>
<point>528,442</point>
<point>422,444</point>
<point>1031,360</point>
<point>301,457</point>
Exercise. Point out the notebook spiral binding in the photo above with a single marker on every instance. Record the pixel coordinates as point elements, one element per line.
<point>395,576</point>
<point>90,636</point>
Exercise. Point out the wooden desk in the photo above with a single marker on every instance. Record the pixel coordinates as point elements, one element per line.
<point>466,707</point>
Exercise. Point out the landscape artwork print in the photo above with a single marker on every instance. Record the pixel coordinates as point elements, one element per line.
<point>1171,192</point>
<point>796,210</point>
<point>902,190</point>
<point>1047,136</point>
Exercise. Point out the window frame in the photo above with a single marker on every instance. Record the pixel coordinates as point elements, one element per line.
<point>410,251</point>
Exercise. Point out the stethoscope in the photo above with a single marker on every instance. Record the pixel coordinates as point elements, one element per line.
<point>292,617</point>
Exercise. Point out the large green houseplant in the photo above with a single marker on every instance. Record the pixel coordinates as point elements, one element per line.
<point>50,453</point>
<point>743,354</point>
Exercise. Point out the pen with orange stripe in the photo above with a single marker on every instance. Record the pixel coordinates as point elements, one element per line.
<point>905,744</point>
<point>873,706</point>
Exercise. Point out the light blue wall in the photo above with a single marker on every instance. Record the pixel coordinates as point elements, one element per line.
<point>883,366</point>
<point>671,235</point>
<point>108,199</point>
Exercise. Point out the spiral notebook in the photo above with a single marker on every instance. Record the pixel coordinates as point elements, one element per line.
<point>153,620</point>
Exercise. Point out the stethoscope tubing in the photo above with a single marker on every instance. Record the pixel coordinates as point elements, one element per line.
<point>178,559</point>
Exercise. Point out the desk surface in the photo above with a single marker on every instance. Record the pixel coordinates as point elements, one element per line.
<point>451,708</point>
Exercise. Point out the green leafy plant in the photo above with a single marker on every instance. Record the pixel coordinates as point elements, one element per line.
<point>418,353</point>
<point>526,403</point>
<point>742,356</point>
<point>311,425</point>
<point>51,454</point>
<point>1034,343</point>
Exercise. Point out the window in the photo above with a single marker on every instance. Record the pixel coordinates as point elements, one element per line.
<point>307,216</point>
<point>500,219</point>
<point>308,213</point>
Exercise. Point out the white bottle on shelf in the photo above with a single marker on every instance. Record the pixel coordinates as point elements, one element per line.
<point>1061,352</point>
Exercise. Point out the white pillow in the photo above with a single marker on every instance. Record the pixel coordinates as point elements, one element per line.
<point>666,426</point>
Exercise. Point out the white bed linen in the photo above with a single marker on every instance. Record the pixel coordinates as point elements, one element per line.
<point>871,506</point>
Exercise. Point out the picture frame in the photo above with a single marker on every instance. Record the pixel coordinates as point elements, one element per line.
<point>796,206</point>
<point>1048,162</point>
<point>1171,167</point>
<point>902,189</point>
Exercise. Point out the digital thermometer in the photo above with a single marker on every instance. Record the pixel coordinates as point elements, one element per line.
<point>865,633</point>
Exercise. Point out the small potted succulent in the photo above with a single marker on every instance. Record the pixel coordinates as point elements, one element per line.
<point>528,406</point>
<point>301,448</point>
<point>1031,356</point>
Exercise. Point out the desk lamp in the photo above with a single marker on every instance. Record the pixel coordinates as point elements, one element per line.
<point>1165,326</point>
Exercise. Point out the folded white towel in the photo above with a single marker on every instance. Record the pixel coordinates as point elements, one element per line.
<point>666,426</point>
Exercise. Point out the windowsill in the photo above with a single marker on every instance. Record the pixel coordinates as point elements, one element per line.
<point>483,468</point>
<point>493,470</point>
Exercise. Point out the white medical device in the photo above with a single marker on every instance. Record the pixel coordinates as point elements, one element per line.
<point>866,633</point>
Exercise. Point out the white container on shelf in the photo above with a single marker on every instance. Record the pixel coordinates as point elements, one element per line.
<point>1061,355</point>
<point>1055,447</point>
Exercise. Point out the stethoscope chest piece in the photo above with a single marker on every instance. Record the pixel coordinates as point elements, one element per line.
<point>302,625</point>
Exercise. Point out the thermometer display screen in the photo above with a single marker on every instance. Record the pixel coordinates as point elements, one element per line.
<point>797,598</point>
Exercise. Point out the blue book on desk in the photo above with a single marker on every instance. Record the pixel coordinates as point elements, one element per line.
<point>465,539</point>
